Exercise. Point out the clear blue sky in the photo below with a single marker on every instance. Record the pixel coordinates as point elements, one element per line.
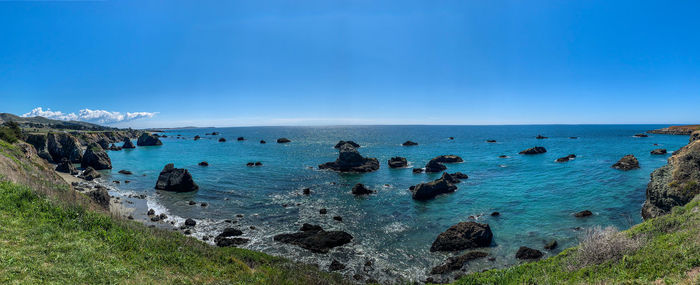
<point>227,63</point>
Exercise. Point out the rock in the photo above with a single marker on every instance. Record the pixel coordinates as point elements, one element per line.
<point>197,137</point>
<point>451,138</point>
<point>360,189</point>
<point>240,139</point>
<point>40,143</point>
<point>283,140</point>
<point>528,253</point>
<point>258,163</point>
<point>190,222</point>
<point>694,136</point>
<point>584,213</point>
<point>148,140</point>
<point>573,138</point>
<point>114,147</point>
<point>175,179</point>
<point>89,174</point>
<point>351,143</point>
<point>457,262</point>
<point>151,212</point>
<point>566,158</point>
<point>495,214</point>
<point>227,238</point>
<point>250,164</point>
<point>398,162</point>
<point>315,239</point>
<point>429,190</point>
<point>627,162</point>
<point>350,160</point>
<point>128,143</point>
<point>338,218</point>
<point>63,145</point>
<point>192,203</point>
<point>459,175</point>
<point>541,137</point>
<point>551,245</point>
<point>203,204</point>
<point>96,158</point>
<point>336,265</point>
<point>534,150</point>
<point>100,196</point>
<point>640,135</point>
<point>124,171</point>
<point>307,191</point>
<point>323,211</point>
<point>464,235</point>
<point>434,166</point>
<point>115,181</point>
<point>490,141</point>
<point>215,133</point>
<point>448,159</point>
<point>659,151</point>
<point>503,156</point>
<point>203,163</point>
<point>263,142</point>
<point>127,181</point>
<point>675,183</point>
<point>409,143</point>
<point>66,167</point>
<point>222,140</point>
<point>419,170</point>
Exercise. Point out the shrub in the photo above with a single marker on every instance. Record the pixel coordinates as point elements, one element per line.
<point>600,245</point>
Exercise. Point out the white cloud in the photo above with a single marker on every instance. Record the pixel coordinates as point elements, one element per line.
<point>87,115</point>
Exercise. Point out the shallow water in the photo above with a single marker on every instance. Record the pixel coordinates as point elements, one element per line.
<point>535,195</point>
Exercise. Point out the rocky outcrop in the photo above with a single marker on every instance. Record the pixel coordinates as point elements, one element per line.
<point>675,183</point>
<point>67,167</point>
<point>451,158</point>
<point>398,162</point>
<point>566,158</point>
<point>283,140</point>
<point>694,136</point>
<point>409,143</point>
<point>534,150</point>
<point>627,162</point>
<point>63,145</point>
<point>361,189</point>
<point>128,143</point>
<point>464,235</point>
<point>96,158</point>
<point>90,174</point>
<point>583,214</point>
<point>429,190</point>
<point>659,151</point>
<point>528,253</point>
<point>315,239</point>
<point>114,147</point>
<point>222,140</point>
<point>350,160</point>
<point>147,139</point>
<point>100,196</point>
<point>341,143</point>
<point>40,143</point>
<point>176,180</point>
<point>228,238</point>
<point>641,135</point>
<point>457,262</point>
<point>436,164</point>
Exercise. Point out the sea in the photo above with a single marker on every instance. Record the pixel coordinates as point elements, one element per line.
<point>535,196</point>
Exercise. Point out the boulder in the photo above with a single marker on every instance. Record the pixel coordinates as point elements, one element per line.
<point>534,150</point>
<point>114,147</point>
<point>147,139</point>
<point>283,140</point>
<point>525,252</point>
<point>124,171</point>
<point>464,235</point>
<point>490,141</point>
<point>203,163</point>
<point>409,143</point>
<point>128,143</point>
<point>448,159</point>
<point>263,142</point>
<point>350,160</point>
<point>66,167</point>
<point>89,174</point>
<point>100,196</point>
<point>566,158</point>
<point>360,189</point>
<point>197,137</point>
<point>627,162</point>
<point>398,162</point>
<point>336,265</point>
<point>175,179</point>
<point>315,239</point>
<point>190,222</point>
<point>459,175</point>
<point>227,238</point>
<point>434,166</point>
<point>351,143</point>
<point>457,262</point>
<point>96,157</point>
<point>419,170</point>
<point>583,214</point>
<point>659,151</point>
<point>429,190</point>
<point>240,139</point>
<point>222,140</point>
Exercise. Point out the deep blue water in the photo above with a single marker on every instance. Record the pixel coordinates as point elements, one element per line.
<point>535,195</point>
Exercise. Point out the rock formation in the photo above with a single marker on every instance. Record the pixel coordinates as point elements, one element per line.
<point>350,160</point>
<point>464,235</point>
<point>175,179</point>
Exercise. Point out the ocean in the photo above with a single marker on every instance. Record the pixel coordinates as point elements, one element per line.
<point>535,195</point>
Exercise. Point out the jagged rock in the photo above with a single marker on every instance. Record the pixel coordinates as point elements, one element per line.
<point>694,136</point>
<point>148,140</point>
<point>398,162</point>
<point>114,147</point>
<point>566,158</point>
<point>89,174</point>
<point>63,145</point>
<point>528,253</point>
<point>659,151</point>
<point>457,262</point>
<point>96,157</point>
<point>434,166</point>
<point>66,167</point>
<point>40,143</point>
<point>409,143</point>
<point>429,190</point>
<point>100,196</point>
<point>151,212</point>
<point>341,143</point>
<point>534,150</point>
<point>128,143</point>
<point>451,158</point>
<point>551,245</point>
<point>584,213</point>
<point>459,175</point>
<point>627,162</point>
<point>360,189</point>
<point>464,235</point>
<point>175,179</point>
<point>315,239</point>
<point>350,160</point>
<point>283,140</point>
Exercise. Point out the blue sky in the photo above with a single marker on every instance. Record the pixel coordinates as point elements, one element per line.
<point>230,63</point>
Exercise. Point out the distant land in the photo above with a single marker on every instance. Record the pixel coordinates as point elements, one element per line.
<point>676,130</point>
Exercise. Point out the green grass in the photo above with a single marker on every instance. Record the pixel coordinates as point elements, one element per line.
<point>670,253</point>
<point>41,242</point>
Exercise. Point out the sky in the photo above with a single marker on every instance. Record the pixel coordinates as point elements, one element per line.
<point>251,63</point>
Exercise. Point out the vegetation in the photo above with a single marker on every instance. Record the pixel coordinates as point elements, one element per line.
<point>10,132</point>
<point>664,250</point>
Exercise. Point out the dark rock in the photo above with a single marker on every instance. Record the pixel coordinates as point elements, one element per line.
<point>315,239</point>
<point>641,135</point>
<point>114,147</point>
<point>566,158</point>
<point>203,163</point>
<point>96,157</point>
<point>464,235</point>
<point>397,162</point>
<point>190,222</point>
<point>203,204</point>
<point>222,140</point>
<point>89,174</point>
<point>215,133</point>
<point>490,141</point>
<point>258,163</point>
<point>434,166</point>
<point>409,143</point>
<point>528,253</point>
<point>503,156</point>
<point>128,143</point>
<point>350,160</point>
<point>127,181</point>
<point>323,211</point>
<point>187,232</point>
<point>351,143</point>
<point>175,179</point>
<point>338,218</point>
<point>100,196</point>
<point>63,145</point>
<point>451,138</point>
<point>197,137</point>
<point>360,189</point>
<point>659,151</point>
<point>66,167</point>
<point>457,262</point>
<point>584,213</point>
<point>227,238</point>
<point>151,212</point>
<point>459,175</point>
<point>263,142</point>
<point>534,150</point>
<point>418,170</point>
<point>627,162</point>
<point>192,203</point>
<point>573,138</point>
<point>541,137</point>
<point>495,214</point>
<point>427,191</point>
<point>448,159</point>
<point>240,139</point>
<point>283,140</point>
<point>336,265</point>
<point>551,245</point>
<point>115,181</point>
<point>250,164</point>
<point>307,191</point>
<point>124,171</point>
<point>148,140</point>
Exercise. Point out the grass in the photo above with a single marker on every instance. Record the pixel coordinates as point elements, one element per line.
<point>42,242</point>
<point>669,253</point>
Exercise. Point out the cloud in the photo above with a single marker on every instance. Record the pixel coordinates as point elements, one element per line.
<point>87,115</point>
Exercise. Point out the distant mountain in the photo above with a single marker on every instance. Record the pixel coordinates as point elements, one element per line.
<point>41,123</point>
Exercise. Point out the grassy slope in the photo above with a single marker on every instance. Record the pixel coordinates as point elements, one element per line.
<point>671,253</point>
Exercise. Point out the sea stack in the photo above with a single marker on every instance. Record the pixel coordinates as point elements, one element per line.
<point>147,139</point>
<point>350,160</point>
<point>175,179</point>
<point>627,162</point>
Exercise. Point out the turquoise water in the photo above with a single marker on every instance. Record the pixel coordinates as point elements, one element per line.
<point>535,195</point>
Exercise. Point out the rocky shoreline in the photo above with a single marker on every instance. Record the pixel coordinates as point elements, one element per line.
<point>676,130</point>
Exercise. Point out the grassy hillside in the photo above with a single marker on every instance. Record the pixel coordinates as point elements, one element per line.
<point>664,250</point>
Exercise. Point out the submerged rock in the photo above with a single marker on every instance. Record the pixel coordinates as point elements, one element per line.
<point>96,157</point>
<point>409,143</point>
<point>551,245</point>
<point>197,137</point>
<point>534,150</point>
<point>125,172</point>
<point>283,140</point>
<point>457,262</point>
<point>360,189</point>
<point>659,151</point>
<point>464,235</point>
<point>429,190</point>
<point>240,139</point>
<point>222,140</point>
<point>490,141</point>
<point>627,162</point>
<point>398,162</point>
<point>584,213</point>
<point>525,252</point>
<point>315,239</point>
<point>350,160</point>
<point>148,140</point>
<point>263,142</point>
<point>175,179</point>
